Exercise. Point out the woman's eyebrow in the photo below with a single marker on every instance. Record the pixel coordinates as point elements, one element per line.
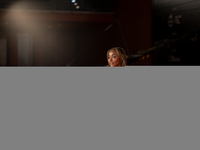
<point>111,55</point>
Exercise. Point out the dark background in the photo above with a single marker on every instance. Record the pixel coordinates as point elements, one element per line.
<point>176,25</point>
<point>79,33</point>
<point>43,33</point>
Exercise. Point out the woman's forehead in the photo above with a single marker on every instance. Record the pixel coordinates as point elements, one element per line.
<point>112,52</point>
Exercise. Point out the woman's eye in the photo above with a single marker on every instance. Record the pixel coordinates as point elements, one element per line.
<point>114,56</point>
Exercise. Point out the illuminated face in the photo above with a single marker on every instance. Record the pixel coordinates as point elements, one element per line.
<point>113,59</point>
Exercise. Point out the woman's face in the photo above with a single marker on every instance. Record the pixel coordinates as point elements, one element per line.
<point>113,59</point>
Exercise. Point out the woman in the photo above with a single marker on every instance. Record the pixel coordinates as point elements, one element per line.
<point>116,57</point>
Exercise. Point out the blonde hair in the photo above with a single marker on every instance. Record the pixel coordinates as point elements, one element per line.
<point>121,53</point>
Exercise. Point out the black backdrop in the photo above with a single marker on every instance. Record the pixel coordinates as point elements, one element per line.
<point>176,24</point>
